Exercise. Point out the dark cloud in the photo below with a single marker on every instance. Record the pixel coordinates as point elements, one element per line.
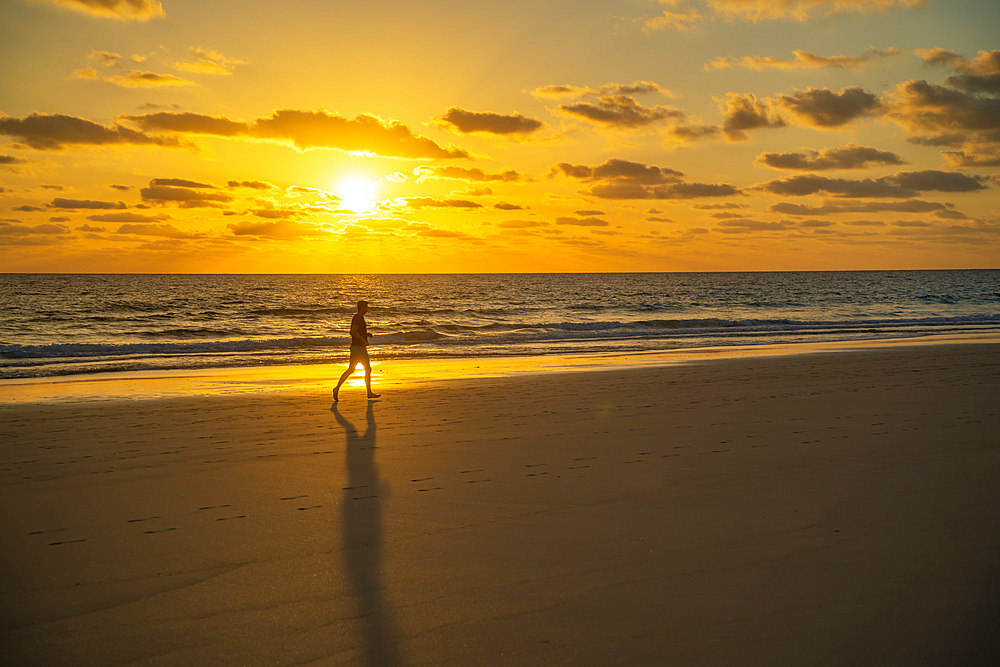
<point>659,219</point>
<point>253,185</point>
<point>421,202</point>
<point>145,79</point>
<point>60,188</point>
<point>57,131</point>
<point>622,179</point>
<point>124,217</point>
<point>469,122</point>
<point>746,112</point>
<point>803,10</point>
<point>469,174</point>
<point>279,229</point>
<point>521,224</point>
<point>687,133</point>
<point>900,185</point>
<point>504,206</point>
<point>185,197</point>
<point>59,218</point>
<point>164,230</point>
<point>59,202</point>
<point>589,212</point>
<point>180,183</point>
<point>802,60</point>
<point>123,10</point>
<point>446,234</point>
<point>636,88</point>
<point>979,75</point>
<point>27,208</point>
<point>90,228</point>
<point>617,169</point>
<point>8,229</point>
<point>713,207</point>
<point>582,222</point>
<point>620,111</point>
<point>850,156</point>
<point>986,157</point>
<point>276,213</point>
<point>749,225</point>
<point>909,206</point>
<point>123,188</point>
<point>823,108</point>
<point>309,129</point>
<point>11,160</point>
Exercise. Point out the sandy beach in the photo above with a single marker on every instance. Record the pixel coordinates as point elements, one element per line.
<point>836,508</point>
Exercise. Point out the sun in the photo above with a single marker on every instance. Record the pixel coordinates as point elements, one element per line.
<point>357,194</point>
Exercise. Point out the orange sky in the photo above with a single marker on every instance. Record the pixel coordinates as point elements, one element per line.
<point>551,135</point>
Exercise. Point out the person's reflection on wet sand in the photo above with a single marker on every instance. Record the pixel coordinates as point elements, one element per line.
<point>362,517</point>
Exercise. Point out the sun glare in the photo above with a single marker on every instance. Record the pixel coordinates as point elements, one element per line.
<point>357,194</point>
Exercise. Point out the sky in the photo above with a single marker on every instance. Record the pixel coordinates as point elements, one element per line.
<point>394,136</point>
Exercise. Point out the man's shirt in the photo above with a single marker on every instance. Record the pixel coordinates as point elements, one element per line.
<point>359,331</point>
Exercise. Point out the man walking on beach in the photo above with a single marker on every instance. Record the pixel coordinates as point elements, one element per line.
<point>359,351</point>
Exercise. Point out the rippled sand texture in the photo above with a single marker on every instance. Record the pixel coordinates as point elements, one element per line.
<point>824,509</point>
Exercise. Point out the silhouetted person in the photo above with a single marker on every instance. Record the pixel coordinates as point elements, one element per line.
<point>359,351</point>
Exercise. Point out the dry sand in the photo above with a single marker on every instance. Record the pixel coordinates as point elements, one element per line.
<point>825,509</point>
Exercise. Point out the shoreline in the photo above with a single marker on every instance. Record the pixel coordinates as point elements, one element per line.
<point>397,373</point>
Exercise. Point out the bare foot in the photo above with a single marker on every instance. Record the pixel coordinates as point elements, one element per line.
<point>371,395</point>
<point>335,392</point>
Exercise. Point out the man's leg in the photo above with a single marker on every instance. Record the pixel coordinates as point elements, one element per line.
<point>343,378</point>
<point>368,377</point>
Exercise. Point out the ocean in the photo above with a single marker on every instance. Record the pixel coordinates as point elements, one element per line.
<point>62,324</point>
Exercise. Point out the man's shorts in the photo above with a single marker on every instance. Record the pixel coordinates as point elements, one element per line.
<point>359,355</point>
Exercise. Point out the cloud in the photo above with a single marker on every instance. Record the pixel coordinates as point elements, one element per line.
<point>123,188</point>
<point>155,229</point>
<point>582,222</point>
<point>979,75</point>
<point>504,206</point>
<point>937,115</point>
<point>104,58</point>
<point>521,224</point>
<point>139,79</point>
<point>468,174</point>
<point>422,202</point>
<point>27,208</point>
<point>589,212</point>
<point>748,225</point>
<point>746,112</point>
<point>276,213</point>
<point>566,90</point>
<point>803,10</point>
<point>8,229</point>
<point>181,183</point>
<point>89,228</point>
<point>850,156</point>
<point>909,206</point>
<point>208,61</point>
<point>680,21</point>
<point>900,185</point>
<point>823,108</point>
<point>622,179</point>
<point>10,160</point>
<point>486,122</point>
<point>57,131</point>
<point>59,202</point>
<point>615,168</point>
<point>801,60</point>
<point>366,134</point>
<point>59,218</point>
<point>620,112</point>
<point>253,185</point>
<point>187,194</point>
<point>124,217</point>
<point>123,10</point>
<point>279,229</point>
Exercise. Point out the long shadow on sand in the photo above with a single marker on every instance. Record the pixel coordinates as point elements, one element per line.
<point>362,517</point>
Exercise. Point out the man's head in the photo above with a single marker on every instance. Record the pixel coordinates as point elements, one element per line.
<point>362,307</point>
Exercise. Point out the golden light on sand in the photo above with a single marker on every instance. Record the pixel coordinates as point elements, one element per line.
<point>357,194</point>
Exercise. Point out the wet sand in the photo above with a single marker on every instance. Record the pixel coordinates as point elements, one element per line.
<point>821,509</point>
